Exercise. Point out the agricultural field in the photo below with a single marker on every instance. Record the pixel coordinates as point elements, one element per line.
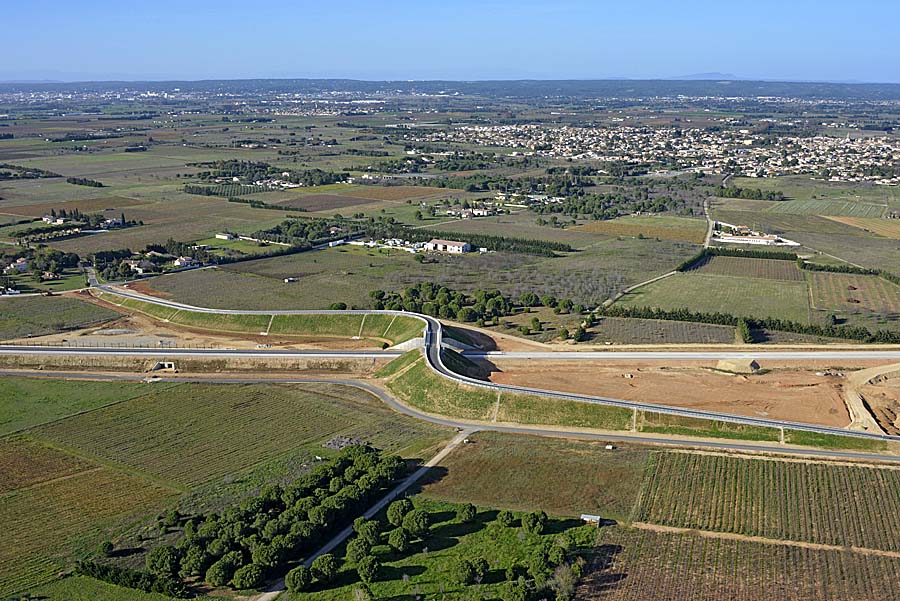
<point>767,269</point>
<point>82,588</point>
<point>243,425</point>
<point>678,229</point>
<point>395,193</point>
<point>322,202</point>
<point>525,473</point>
<point>37,316</point>
<point>887,228</point>
<point>27,463</point>
<point>821,234</point>
<point>821,503</point>
<point>27,402</point>
<point>743,296</point>
<point>806,188</point>
<point>620,330</point>
<point>852,295</point>
<point>827,208</point>
<point>680,565</point>
<point>45,524</point>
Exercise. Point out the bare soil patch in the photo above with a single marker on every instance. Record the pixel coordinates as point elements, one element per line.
<point>884,400</point>
<point>787,393</point>
<point>322,202</point>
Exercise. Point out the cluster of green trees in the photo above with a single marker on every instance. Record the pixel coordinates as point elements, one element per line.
<point>135,579</point>
<point>465,161</point>
<point>259,204</point>
<point>550,566</point>
<point>848,269</point>
<point>258,538</point>
<point>83,181</point>
<point>391,229</point>
<point>9,171</point>
<point>304,232</point>
<point>750,193</point>
<point>608,206</point>
<point>830,330</point>
<point>482,306</point>
<point>256,170</point>
<point>224,190</point>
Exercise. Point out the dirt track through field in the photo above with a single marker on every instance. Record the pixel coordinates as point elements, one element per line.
<point>764,540</point>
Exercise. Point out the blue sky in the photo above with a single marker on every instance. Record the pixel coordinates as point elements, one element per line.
<point>465,39</point>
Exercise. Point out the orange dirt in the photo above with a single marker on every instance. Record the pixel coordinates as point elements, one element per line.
<point>788,393</point>
<point>884,400</point>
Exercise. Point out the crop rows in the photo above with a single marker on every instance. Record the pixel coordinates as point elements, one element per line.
<point>41,525</point>
<point>889,228</point>
<point>693,233</point>
<point>827,207</point>
<point>654,331</point>
<point>24,463</point>
<point>850,292</point>
<point>194,433</point>
<point>813,502</point>
<point>629,564</point>
<point>769,269</point>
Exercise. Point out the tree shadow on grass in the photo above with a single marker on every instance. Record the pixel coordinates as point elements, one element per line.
<point>560,526</point>
<point>599,576</point>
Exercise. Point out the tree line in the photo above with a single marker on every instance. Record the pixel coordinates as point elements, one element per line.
<point>257,539</point>
<point>859,333</point>
<point>750,193</point>
<point>83,181</point>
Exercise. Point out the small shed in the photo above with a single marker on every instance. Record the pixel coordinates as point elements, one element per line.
<point>593,520</point>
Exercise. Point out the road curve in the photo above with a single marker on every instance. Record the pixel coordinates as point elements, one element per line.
<point>433,353</point>
<point>390,401</point>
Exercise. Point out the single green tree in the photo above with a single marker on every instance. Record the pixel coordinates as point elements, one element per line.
<point>369,569</point>
<point>324,568</point>
<point>298,579</point>
<point>398,539</point>
<point>397,510</point>
<point>249,576</point>
<point>466,513</point>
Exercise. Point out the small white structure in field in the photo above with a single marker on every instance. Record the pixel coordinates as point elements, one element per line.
<point>225,236</point>
<point>448,246</point>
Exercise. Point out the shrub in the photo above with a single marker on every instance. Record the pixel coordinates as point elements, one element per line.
<point>221,572</point>
<point>368,569</point>
<point>417,523</point>
<point>249,576</point>
<point>324,568</point>
<point>298,579</point>
<point>534,522</point>
<point>506,518</point>
<point>106,549</point>
<point>466,513</point>
<point>397,510</point>
<point>163,561</point>
<point>399,541</point>
<point>357,550</point>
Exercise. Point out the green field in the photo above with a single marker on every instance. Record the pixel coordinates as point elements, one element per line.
<point>425,570</point>
<point>104,471</point>
<point>242,425</point>
<point>525,473</point>
<point>44,524</point>
<point>27,402</point>
<point>827,207</point>
<point>37,316</point>
<point>749,297</point>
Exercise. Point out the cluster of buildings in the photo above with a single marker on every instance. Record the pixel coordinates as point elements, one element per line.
<point>710,150</point>
<point>741,234</point>
<point>455,247</point>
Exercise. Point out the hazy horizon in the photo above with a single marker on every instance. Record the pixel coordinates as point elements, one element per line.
<point>465,41</point>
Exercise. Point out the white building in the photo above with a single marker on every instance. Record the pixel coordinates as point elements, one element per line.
<point>225,236</point>
<point>448,246</point>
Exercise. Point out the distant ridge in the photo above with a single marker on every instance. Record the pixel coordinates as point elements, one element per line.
<point>712,76</point>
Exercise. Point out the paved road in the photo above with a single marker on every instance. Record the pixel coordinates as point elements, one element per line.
<point>184,353</point>
<point>434,349</point>
<point>687,355</point>
<point>462,425</point>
